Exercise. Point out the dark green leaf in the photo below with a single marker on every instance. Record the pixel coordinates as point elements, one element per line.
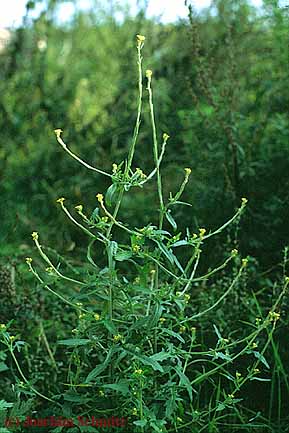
<point>111,194</point>
<point>184,381</point>
<point>3,367</point>
<point>74,342</point>
<point>121,387</point>
<point>146,360</point>
<point>173,334</point>
<point>100,368</point>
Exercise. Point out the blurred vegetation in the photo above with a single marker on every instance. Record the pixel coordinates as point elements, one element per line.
<point>221,92</point>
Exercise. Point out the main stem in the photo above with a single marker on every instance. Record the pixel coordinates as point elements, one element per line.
<point>159,184</point>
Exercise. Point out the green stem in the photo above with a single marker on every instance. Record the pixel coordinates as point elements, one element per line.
<point>27,381</point>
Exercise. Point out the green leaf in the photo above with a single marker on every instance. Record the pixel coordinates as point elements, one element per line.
<point>95,214</point>
<point>261,358</point>
<point>222,355</point>
<point>155,427</point>
<point>3,367</point>
<point>171,404</point>
<point>122,255</point>
<point>161,232</point>
<point>217,332</point>
<point>171,220</point>
<point>100,368</point>
<point>155,316</point>
<point>74,342</point>
<point>181,202</point>
<point>173,334</point>
<point>141,323</point>
<point>4,405</point>
<point>260,379</point>
<point>180,243</point>
<point>111,194</point>
<point>110,326</point>
<point>178,264</point>
<point>113,246</point>
<point>140,422</point>
<point>161,356</point>
<point>220,407</point>
<point>146,360</point>
<point>166,252</point>
<point>184,381</point>
<point>73,397</point>
<point>121,387</point>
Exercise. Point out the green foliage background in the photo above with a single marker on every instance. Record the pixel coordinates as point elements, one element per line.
<point>220,91</point>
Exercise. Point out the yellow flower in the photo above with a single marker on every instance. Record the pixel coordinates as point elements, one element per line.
<point>149,73</point>
<point>134,411</point>
<point>179,419</point>
<point>188,171</point>
<point>162,319</point>
<point>244,201</point>
<point>182,329</point>
<point>117,338</point>
<point>256,370</point>
<point>12,337</point>
<point>140,173</point>
<point>99,198</point>
<point>114,168</point>
<point>238,375</point>
<point>96,316</point>
<point>79,304</point>
<point>58,132</point>
<point>140,39</point>
<point>231,396</point>
<point>79,208</point>
<point>202,232</point>
<point>234,252</point>
<point>49,270</point>
<point>101,393</point>
<point>165,136</point>
<point>187,298</point>
<point>28,260</point>
<point>34,236</point>
<point>254,345</point>
<point>60,200</point>
<point>139,372</point>
<point>244,262</point>
<point>2,326</point>
<point>104,219</point>
<point>136,248</point>
<point>273,316</point>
